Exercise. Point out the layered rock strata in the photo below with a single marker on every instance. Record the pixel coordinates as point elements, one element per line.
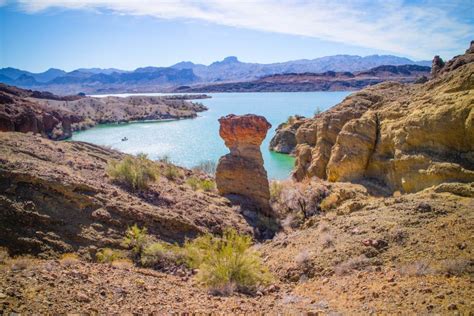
<point>241,173</point>
<point>399,136</point>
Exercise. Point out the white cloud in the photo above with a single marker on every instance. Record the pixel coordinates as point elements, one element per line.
<point>418,31</point>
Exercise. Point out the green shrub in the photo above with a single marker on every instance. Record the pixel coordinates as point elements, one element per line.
<point>136,238</point>
<point>193,182</point>
<point>208,167</point>
<point>107,255</point>
<point>205,185</point>
<point>227,262</point>
<point>136,172</point>
<point>171,172</point>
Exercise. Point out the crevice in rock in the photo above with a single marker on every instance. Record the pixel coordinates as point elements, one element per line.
<point>376,141</point>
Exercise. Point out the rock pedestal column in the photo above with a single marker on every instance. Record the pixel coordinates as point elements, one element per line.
<point>240,174</point>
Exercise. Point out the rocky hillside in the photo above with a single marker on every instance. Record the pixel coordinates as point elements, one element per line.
<point>56,197</point>
<point>57,117</point>
<point>326,81</point>
<point>397,136</point>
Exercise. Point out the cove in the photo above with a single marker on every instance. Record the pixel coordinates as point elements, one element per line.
<point>191,141</point>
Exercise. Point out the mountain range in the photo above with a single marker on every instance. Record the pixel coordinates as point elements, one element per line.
<point>159,79</point>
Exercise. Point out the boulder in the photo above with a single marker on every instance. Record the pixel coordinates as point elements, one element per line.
<point>240,174</point>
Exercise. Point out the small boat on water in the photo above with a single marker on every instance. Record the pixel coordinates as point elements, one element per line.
<point>124,139</point>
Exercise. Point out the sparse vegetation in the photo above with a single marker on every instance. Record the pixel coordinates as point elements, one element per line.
<point>196,184</point>
<point>159,254</point>
<point>171,172</point>
<point>136,238</point>
<point>135,172</point>
<point>356,263</point>
<point>327,240</point>
<point>208,167</point>
<point>69,259</point>
<point>108,255</point>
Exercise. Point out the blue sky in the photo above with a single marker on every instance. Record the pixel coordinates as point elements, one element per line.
<point>38,34</point>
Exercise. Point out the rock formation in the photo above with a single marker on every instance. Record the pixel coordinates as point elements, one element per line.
<point>396,136</point>
<point>436,65</point>
<point>241,173</point>
<point>285,139</point>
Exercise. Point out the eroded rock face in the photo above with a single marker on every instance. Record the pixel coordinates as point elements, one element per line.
<point>241,173</point>
<point>399,136</point>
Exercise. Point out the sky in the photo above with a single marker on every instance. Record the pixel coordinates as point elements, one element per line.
<point>39,34</point>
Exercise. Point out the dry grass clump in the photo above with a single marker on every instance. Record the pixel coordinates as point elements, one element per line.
<point>69,259</point>
<point>356,263</point>
<point>417,268</point>
<point>226,263</point>
<point>135,172</point>
<point>456,267</point>
<point>198,184</point>
<point>123,263</point>
<point>303,259</point>
<point>21,263</point>
<point>4,256</point>
<point>108,255</point>
<point>172,172</point>
<point>327,240</point>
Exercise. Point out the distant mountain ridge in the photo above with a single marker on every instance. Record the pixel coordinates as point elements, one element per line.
<point>325,81</point>
<point>159,79</point>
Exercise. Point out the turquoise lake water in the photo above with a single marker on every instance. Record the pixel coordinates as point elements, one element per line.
<point>191,141</point>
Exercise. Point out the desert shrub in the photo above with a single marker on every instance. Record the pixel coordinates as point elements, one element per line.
<point>226,263</point>
<point>357,263</point>
<point>326,240</point>
<point>108,255</point>
<point>303,259</point>
<point>276,187</point>
<point>135,172</point>
<point>171,172</point>
<point>158,254</point>
<point>208,167</point>
<point>207,185</point>
<point>193,183</point>
<point>417,268</point>
<point>69,259</point>
<point>135,239</point>
<point>196,183</point>
<point>165,159</point>
<point>300,197</point>
<point>21,263</point>
<point>456,267</point>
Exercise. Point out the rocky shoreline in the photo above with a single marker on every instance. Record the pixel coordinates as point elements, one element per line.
<point>398,137</point>
<point>57,117</point>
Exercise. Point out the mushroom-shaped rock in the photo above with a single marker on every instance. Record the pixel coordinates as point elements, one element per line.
<point>241,173</point>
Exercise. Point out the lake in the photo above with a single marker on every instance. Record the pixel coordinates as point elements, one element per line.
<point>191,141</point>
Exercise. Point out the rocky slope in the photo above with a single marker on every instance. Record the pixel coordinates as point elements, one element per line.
<point>56,197</point>
<point>57,117</point>
<point>399,136</point>
<point>327,81</point>
<point>363,254</point>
